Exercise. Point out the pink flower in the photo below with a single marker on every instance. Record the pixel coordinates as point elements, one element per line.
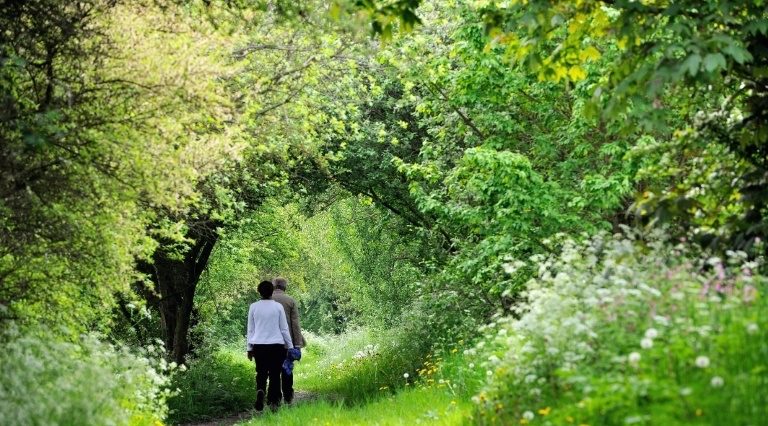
<point>749,293</point>
<point>746,271</point>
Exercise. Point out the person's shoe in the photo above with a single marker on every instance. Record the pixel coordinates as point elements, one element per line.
<point>259,405</point>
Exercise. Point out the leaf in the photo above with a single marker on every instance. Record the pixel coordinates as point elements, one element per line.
<point>590,53</point>
<point>714,61</point>
<point>738,53</point>
<point>576,73</point>
<point>691,64</point>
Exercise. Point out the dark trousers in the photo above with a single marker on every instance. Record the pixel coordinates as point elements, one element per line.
<point>269,364</point>
<point>287,381</point>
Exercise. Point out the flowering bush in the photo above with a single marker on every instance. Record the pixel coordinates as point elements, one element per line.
<point>632,330</point>
<point>45,382</point>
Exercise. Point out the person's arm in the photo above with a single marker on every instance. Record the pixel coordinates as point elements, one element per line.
<point>284,328</point>
<point>250,327</point>
<point>298,338</point>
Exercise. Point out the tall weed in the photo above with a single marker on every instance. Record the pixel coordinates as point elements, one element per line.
<point>46,382</point>
<point>639,331</point>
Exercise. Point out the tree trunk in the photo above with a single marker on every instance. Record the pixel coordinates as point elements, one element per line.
<point>175,280</point>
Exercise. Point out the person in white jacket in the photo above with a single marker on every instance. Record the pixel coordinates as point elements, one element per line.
<point>267,340</point>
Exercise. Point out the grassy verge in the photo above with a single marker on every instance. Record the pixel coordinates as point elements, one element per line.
<point>411,406</point>
<point>356,374</point>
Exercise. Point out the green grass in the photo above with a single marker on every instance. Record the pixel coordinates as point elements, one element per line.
<point>355,378</point>
<point>407,407</point>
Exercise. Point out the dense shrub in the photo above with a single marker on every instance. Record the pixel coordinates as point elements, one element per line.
<point>632,331</point>
<point>217,383</point>
<point>45,382</point>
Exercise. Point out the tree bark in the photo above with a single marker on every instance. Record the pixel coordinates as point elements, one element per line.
<point>175,278</point>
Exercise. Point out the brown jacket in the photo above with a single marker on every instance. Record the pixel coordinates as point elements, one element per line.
<point>292,315</point>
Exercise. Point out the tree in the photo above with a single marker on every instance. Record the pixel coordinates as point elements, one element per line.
<point>84,149</point>
<point>281,66</point>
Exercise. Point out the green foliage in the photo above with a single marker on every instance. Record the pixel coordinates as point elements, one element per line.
<point>617,331</point>
<point>84,150</point>
<point>361,365</point>
<point>505,159</point>
<point>706,59</point>
<point>383,263</point>
<point>216,384</point>
<point>265,245</point>
<point>45,382</point>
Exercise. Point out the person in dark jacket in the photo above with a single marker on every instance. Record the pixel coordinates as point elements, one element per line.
<point>292,314</point>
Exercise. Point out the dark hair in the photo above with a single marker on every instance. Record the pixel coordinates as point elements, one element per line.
<point>265,289</point>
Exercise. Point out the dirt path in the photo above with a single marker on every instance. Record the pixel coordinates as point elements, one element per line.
<point>298,398</point>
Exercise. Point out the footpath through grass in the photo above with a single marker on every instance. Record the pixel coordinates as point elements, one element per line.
<point>358,378</point>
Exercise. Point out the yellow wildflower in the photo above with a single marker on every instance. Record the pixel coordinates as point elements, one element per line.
<point>545,411</point>
<point>523,421</point>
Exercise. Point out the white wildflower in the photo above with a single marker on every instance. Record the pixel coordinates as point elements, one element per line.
<point>634,358</point>
<point>686,391</point>
<point>702,362</point>
<point>528,415</point>
<point>646,343</point>
<point>717,382</point>
<point>406,375</point>
<point>471,365</point>
<point>651,333</point>
<point>489,373</point>
<point>752,328</point>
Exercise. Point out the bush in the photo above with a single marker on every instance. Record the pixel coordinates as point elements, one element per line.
<point>621,331</point>
<point>45,382</point>
<point>218,383</point>
<point>362,365</point>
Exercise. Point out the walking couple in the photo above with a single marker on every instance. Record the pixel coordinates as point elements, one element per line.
<point>274,340</point>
